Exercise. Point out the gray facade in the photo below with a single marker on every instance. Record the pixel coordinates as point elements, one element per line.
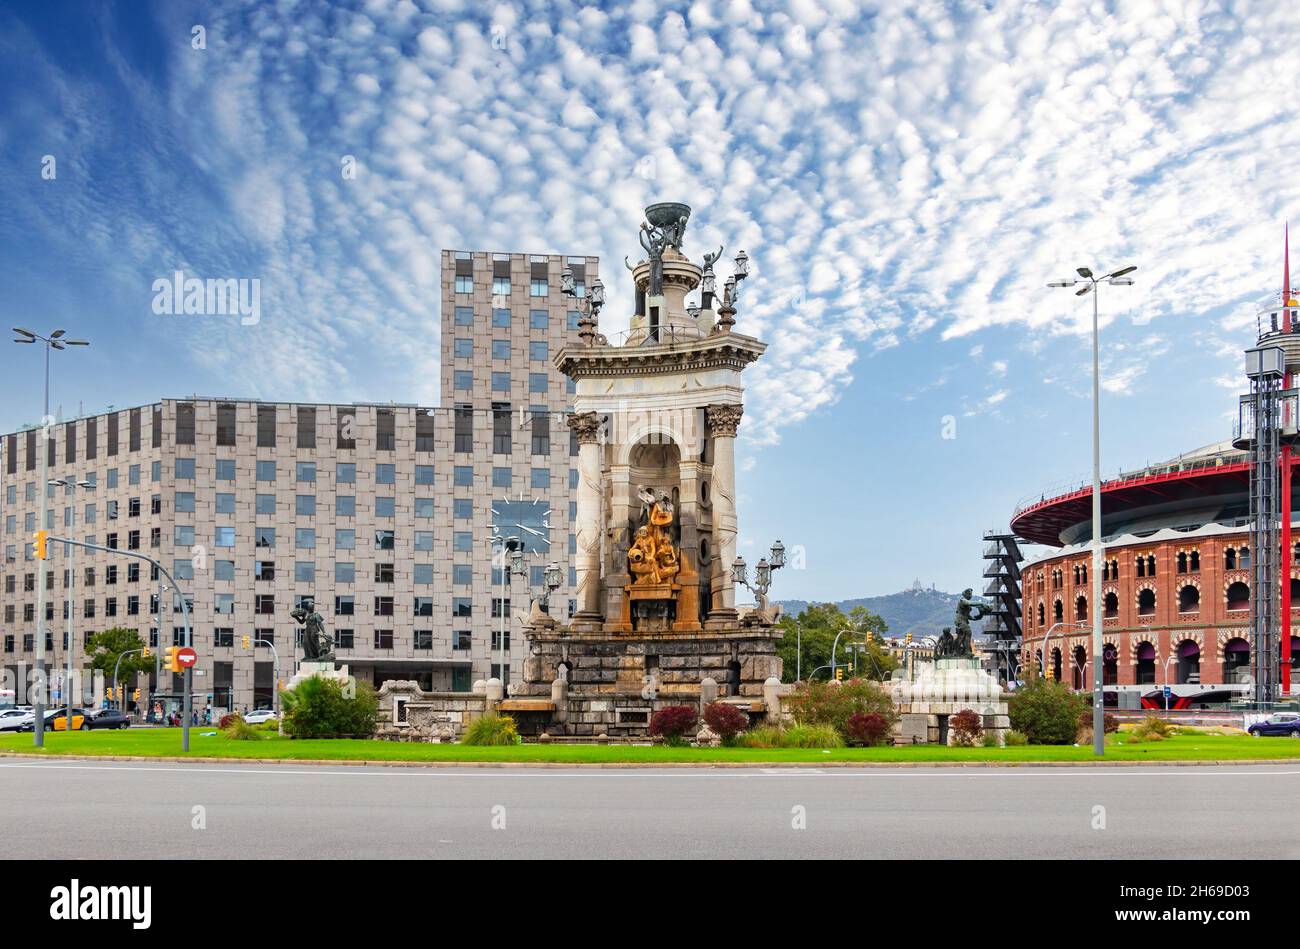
<point>253,505</point>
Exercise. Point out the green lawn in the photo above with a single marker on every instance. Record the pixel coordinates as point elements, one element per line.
<point>145,743</point>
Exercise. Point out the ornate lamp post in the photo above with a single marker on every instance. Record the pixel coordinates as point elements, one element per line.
<point>554,577</point>
<point>762,573</point>
<point>589,305</point>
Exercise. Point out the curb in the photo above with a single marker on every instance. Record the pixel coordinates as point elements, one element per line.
<point>664,765</point>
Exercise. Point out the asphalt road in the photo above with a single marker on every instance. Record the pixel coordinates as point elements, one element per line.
<point>140,811</point>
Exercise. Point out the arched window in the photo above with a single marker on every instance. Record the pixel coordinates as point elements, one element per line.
<point>1141,566</point>
<point>1058,612</point>
<point>1229,558</point>
<point>1295,593</point>
<point>1056,664</point>
<point>1189,662</point>
<point>1195,561</point>
<point>1146,602</point>
<point>1182,561</point>
<point>1109,664</point>
<point>1238,596</point>
<point>1083,572</point>
<point>1189,599</point>
<point>1146,663</point>
<point>1081,607</point>
<point>1236,659</point>
<point>1042,615</point>
<point>1079,667</point>
<point>1112,605</point>
<point>1151,565</point>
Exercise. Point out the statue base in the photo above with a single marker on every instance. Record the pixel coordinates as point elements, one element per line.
<point>319,670</point>
<point>941,689</point>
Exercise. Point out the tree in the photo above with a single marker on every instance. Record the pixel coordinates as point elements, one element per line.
<point>106,647</point>
<point>820,623</point>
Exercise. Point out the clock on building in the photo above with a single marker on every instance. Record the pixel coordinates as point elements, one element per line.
<point>527,518</point>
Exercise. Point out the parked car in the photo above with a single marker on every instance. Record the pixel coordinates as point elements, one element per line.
<point>1279,723</point>
<point>108,718</point>
<point>57,719</point>
<point>258,716</point>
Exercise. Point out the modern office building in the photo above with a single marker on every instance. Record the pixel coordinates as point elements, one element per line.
<point>383,513</point>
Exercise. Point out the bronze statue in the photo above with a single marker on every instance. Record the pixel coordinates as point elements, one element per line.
<point>968,603</point>
<point>652,558</point>
<point>317,646</point>
<point>945,647</point>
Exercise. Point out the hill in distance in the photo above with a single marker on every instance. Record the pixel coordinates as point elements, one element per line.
<point>919,610</point>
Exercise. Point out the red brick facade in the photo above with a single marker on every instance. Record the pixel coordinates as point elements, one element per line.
<point>1147,607</point>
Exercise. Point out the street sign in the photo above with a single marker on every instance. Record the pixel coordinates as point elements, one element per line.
<point>186,657</point>
<point>1168,692</point>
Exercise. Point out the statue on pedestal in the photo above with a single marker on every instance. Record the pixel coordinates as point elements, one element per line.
<point>317,646</point>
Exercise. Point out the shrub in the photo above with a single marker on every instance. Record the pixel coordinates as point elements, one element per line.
<point>240,730</point>
<point>764,736</point>
<point>811,736</point>
<point>1152,728</point>
<point>966,726</point>
<point>866,729</point>
<point>990,739</point>
<point>672,722</point>
<point>1046,711</point>
<point>726,720</point>
<point>318,708</point>
<point>1109,722</point>
<point>228,718</point>
<point>1015,738</point>
<point>821,703</point>
<point>491,730</point>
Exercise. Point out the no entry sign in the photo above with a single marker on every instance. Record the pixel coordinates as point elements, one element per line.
<point>186,657</point>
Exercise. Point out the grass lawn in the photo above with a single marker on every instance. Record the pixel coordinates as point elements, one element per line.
<point>155,742</point>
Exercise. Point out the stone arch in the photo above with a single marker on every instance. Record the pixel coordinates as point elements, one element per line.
<point>1189,596</point>
<point>1109,602</point>
<point>656,429</point>
<point>1146,605</point>
<point>1236,594</point>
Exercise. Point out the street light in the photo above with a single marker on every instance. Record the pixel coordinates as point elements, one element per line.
<point>512,559</point>
<point>71,484</point>
<point>56,340</point>
<point>1090,285</point>
<point>762,573</point>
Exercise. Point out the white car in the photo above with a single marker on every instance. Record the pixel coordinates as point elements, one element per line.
<point>258,716</point>
<point>11,719</point>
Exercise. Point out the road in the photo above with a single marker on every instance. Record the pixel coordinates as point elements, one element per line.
<point>202,811</point>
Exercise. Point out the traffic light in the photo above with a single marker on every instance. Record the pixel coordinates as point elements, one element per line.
<point>145,652</point>
<point>839,674</point>
<point>909,639</point>
<point>170,662</point>
<point>248,642</point>
<point>135,694</point>
<point>40,545</point>
<point>1049,673</point>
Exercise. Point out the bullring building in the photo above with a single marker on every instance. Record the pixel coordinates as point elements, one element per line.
<point>383,513</point>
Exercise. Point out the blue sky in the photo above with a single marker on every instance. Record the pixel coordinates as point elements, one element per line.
<point>906,177</point>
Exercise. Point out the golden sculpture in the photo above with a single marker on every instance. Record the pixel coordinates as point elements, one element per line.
<point>652,558</point>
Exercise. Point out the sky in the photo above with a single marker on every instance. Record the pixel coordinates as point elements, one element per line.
<point>905,178</point>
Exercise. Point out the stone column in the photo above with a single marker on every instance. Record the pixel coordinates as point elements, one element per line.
<point>586,426</point>
<point>723,421</point>
<point>620,512</point>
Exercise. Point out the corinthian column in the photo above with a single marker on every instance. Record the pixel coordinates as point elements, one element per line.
<point>723,421</point>
<point>586,426</point>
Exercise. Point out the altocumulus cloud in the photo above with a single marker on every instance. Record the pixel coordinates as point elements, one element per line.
<point>898,171</point>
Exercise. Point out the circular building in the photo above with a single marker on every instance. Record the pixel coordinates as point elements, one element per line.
<point>1176,582</point>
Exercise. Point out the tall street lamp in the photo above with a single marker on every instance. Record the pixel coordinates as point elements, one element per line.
<point>1091,284</point>
<point>56,340</point>
<point>70,486</point>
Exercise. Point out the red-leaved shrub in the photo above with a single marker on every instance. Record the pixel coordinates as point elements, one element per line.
<point>866,728</point>
<point>673,721</point>
<point>228,718</point>
<point>966,726</point>
<point>725,720</point>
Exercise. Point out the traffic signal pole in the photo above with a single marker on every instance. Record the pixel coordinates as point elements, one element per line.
<point>185,615</point>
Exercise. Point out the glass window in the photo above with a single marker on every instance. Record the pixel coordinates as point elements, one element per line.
<point>500,382</point>
<point>465,314</point>
<point>345,505</point>
<point>266,471</point>
<point>305,538</point>
<point>538,288</point>
<point>424,507</point>
<point>541,478</point>
<point>574,317</point>
<point>345,539</point>
<point>539,319</point>
<point>385,474</point>
<point>538,382</point>
<point>183,569</point>
<point>464,476</point>
<point>462,607</point>
<point>265,536</point>
<point>345,473</point>
<point>424,540</point>
<point>501,318</point>
<point>184,469</point>
<point>424,637</point>
<point>264,570</point>
<point>500,349</point>
<point>184,502</point>
<point>304,572</point>
<point>305,505</point>
<point>463,380</point>
<point>225,603</point>
<point>306,471</point>
<point>225,469</point>
<point>345,572</point>
<point>501,478</point>
<point>500,287</point>
<point>463,541</point>
<point>462,574</point>
<point>266,504</point>
<point>225,537</point>
<point>225,504</point>
<point>384,540</point>
<point>184,536</point>
<point>424,474</point>
<point>538,350</point>
<point>225,570</point>
<point>464,284</point>
<point>385,507</point>
<point>463,509</point>
<point>423,573</point>
<point>464,349</point>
